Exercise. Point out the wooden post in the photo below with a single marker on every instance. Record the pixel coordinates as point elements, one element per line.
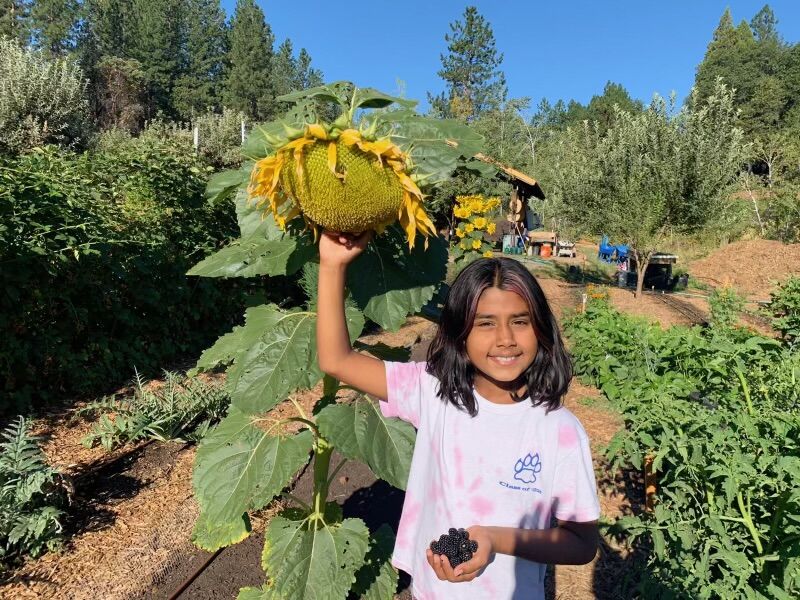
<point>649,483</point>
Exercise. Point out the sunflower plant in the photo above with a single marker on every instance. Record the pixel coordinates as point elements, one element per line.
<point>368,169</point>
<point>473,226</point>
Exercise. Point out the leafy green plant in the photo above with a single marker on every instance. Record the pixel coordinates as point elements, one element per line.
<point>725,305</point>
<point>42,99</point>
<point>311,551</point>
<point>784,307</point>
<point>94,250</point>
<point>180,409</point>
<point>31,497</point>
<point>717,414</point>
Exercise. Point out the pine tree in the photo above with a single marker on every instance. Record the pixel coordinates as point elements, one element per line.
<point>199,86</point>
<point>601,108</point>
<point>765,25</point>
<point>248,86</point>
<point>107,27</point>
<point>470,69</point>
<point>284,70</point>
<point>730,56</point>
<point>14,16</point>
<point>305,75</point>
<point>155,41</point>
<point>53,25</point>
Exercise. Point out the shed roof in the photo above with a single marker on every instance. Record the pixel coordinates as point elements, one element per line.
<point>529,185</point>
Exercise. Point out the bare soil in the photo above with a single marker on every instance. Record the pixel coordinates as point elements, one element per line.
<point>752,267</point>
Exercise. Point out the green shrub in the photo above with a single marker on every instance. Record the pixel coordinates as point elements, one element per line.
<point>183,408</point>
<point>725,305</point>
<point>782,214</point>
<point>220,137</point>
<point>716,411</point>
<point>94,250</point>
<point>784,308</point>
<point>31,497</point>
<point>42,99</point>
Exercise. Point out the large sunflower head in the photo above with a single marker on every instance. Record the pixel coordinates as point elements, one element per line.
<point>350,177</point>
<point>341,181</point>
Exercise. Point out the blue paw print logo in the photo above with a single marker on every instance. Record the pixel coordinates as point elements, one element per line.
<point>526,468</point>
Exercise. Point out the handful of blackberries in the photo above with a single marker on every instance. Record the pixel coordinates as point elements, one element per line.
<point>455,545</point>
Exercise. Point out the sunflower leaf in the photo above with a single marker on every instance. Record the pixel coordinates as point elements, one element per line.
<point>258,466</point>
<point>360,432</point>
<point>306,562</point>
<point>222,185</point>
<point>274,354</point>
<point>372,98</point>
<point>377,579</point>
<point>388,283</point>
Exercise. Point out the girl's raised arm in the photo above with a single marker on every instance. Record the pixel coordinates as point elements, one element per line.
<point>335,354</point>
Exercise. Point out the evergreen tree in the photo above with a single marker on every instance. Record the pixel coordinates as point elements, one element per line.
<point>155,42</point>
<point>731,56</point>
<point>601,108</point>
<point>14,20</point>
<point>53,25</point>
<point>305,75</point>
<point>764,25</point>
<point>471,69</point>
<point>248,85</point>
<point>284,70</point>
<point>199,85</point>
<point>107,27</point>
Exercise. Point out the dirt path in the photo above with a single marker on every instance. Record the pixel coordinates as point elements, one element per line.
<point>135,508</point>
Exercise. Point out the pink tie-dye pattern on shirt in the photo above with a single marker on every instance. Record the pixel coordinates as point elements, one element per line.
<point>567,437</point>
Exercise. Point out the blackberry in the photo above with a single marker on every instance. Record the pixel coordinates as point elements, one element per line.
<point>455,545</point>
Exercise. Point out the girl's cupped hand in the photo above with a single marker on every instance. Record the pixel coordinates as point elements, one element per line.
<point>472,568</point>
<point>337,248</point>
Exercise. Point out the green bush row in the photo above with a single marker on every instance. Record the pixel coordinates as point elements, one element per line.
<point>94,248</point>
<point>716,410</point>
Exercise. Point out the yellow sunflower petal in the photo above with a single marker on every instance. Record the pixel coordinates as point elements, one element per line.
<point>350,137</point>
<point>316,130</point>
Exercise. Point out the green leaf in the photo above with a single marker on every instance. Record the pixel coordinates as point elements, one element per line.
<point>313,564</point>
<point>256,256</point>
<point>384,352</point>
<point>338,92</point>
<point>278,356</point>
<point>258,319</point>
<point>388,283</point>
<point>210,534</point>
<point>372,98</point>
<point>263,140</point>
<point>254,221</point>
<point>222,185</point>
<point>239,468</point>
<point>377,579</point>
<point>359,431</point>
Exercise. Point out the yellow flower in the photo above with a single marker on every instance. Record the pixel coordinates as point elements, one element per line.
<point>462,246</point>
<point>476,244</point>
<point>487,254</point>
<point>460,232</point>
<point>303,177</point>
<point>491,228</point>
<point>469,227</point>
<point>492,203</point>
<point>480,223</point>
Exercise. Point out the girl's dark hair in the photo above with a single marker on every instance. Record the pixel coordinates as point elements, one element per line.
<point>548,376</point>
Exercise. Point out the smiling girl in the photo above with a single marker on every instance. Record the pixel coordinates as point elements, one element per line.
<point>496,453</point>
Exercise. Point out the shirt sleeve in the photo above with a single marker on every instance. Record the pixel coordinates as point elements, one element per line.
<point>405,391</point>
<point>575,489</point>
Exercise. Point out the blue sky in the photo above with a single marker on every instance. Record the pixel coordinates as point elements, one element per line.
<point>554,49</point>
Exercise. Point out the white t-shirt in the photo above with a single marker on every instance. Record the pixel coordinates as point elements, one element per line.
<point>512,465</point>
